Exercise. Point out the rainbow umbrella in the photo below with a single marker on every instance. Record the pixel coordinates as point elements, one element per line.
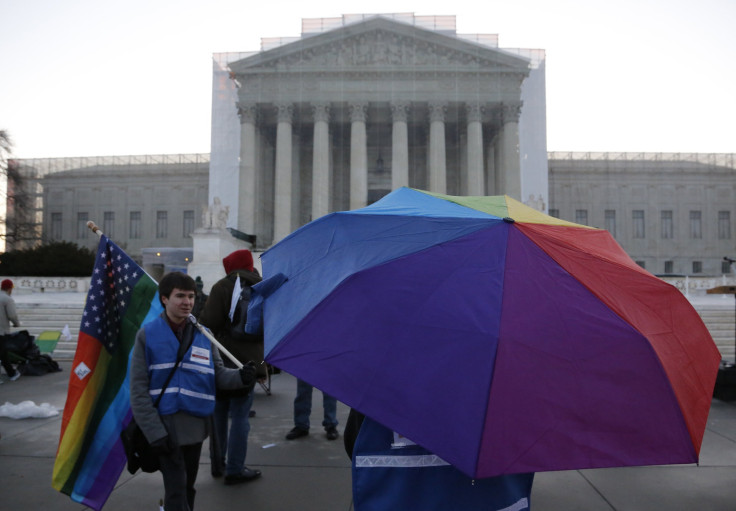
<point>497,337</point>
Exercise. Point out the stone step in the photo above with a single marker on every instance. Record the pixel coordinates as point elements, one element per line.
<point>39,317</point>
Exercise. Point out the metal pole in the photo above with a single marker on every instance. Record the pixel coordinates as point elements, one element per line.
<point>214,341</point>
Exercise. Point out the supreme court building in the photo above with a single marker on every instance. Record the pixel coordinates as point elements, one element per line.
<point>357,106</point>
<point>361,105</point>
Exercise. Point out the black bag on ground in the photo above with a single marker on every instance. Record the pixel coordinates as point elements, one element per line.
<point>137,449</point>
<point>21,343</point>
<point>39,365</point>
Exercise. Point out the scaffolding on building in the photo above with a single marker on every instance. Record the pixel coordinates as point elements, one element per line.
<point>727,160</point>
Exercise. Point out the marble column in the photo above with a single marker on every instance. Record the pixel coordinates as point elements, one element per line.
<point>399,145</point>
<point>321,184</point>
<point>358,156</point>
<point>509,147</point>
<point>475,181</point>
<point>283,196</point>
<point>437,154</point>
<point>247,196</point>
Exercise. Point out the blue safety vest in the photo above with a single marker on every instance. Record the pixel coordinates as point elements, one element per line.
<point>192,388</point>
<point>410,477</point>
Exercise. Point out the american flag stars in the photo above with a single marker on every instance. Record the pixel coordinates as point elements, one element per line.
<point>114,277</point>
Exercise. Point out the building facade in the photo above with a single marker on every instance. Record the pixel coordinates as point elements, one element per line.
<point>672,213</point>
<point>361,105</point>
<point>358,106</point>
<point>138,201</point>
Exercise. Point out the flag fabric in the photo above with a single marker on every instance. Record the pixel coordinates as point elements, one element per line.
<point>121,298</point>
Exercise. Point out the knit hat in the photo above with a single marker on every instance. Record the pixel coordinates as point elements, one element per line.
<point>6,284</point>
<point>238,260</point>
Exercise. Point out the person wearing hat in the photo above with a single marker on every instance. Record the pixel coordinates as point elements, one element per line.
<point>229,448</point>
<point>8,315</point>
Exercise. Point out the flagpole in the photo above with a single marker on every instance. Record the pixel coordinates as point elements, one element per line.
<point>93,227</point>
<point>214,341</point>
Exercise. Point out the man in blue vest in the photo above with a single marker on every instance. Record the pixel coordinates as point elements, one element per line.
<point>391,473</point>
<point>177,428</point>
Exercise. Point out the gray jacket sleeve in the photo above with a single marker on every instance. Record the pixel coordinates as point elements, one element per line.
<point>11,313</point>
<point>225,377</point>
<point>141,403</point>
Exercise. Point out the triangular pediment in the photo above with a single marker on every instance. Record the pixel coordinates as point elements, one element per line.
<point>380,43</point>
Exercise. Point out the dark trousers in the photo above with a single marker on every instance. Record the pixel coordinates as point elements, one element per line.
<point>4,357</point>
<point>179,470</point>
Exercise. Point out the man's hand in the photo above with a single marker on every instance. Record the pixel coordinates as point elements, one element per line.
<point>248,374</point>
<point>163,446</point>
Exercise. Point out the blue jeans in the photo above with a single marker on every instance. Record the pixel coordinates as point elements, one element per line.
<point>303,407</point>
<point>233,447</point>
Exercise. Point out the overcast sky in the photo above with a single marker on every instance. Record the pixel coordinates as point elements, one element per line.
<point>95,77</point>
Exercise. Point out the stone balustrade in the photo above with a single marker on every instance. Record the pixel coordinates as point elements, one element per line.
<point>24,285</point>
<point>688,285</point>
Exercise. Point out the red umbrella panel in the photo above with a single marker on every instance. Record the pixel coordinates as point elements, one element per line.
<point>499,338</point>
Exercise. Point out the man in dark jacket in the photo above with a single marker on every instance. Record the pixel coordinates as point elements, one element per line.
<point>230,449</point>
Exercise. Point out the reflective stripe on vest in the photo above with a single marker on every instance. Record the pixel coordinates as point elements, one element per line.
<point>411,477</point>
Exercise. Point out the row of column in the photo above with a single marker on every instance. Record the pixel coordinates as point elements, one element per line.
<point>507,179</point>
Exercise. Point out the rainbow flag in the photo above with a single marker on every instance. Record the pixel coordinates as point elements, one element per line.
<point>90,457</point>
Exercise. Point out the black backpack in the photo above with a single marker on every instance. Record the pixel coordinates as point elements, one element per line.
<point>236,326</point>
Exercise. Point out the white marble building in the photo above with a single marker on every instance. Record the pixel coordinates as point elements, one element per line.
<point>673,213</point>
<point>360,105</point>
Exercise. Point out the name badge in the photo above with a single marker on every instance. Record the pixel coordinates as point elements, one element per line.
<point>200,355</point>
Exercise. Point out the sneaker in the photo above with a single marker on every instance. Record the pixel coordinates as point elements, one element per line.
<point>15,376</point>
<point>296,433</point>
<point>246,475</point>
<point>332,433</point>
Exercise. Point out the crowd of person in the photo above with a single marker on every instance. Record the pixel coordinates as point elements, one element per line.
<point>184,389</point>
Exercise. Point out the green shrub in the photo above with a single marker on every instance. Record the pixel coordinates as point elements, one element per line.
<point>56,259</point>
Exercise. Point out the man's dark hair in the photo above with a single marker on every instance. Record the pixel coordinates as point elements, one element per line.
<point>175,279</point>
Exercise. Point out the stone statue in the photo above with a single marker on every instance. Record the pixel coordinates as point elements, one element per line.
<point>537,203</point>
<point>215,216</point>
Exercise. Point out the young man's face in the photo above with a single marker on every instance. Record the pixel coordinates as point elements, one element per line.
<point>179,304</point>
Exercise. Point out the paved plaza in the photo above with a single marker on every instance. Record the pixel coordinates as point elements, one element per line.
<point>314,474</point>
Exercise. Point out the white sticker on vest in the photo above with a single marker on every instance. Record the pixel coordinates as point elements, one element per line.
<point>200,355</point>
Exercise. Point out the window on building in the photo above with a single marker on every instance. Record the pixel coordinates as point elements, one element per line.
<point>697,267</point>
<point>669,267</point>
<point>581,216</point>
<point>553,212</point>
<point>82,229</point>
<point>725,267</point>
<point>135,225</point>
<point>188,228</point>
<point>667,225</point>
<point>638,217</point>
<point>724,225</point>
<point>162,224</point>
<point>610,219</point>
<point>108,224</point>
<point>696,227</point>
<point>641,263</point>
<point>56,226</point>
